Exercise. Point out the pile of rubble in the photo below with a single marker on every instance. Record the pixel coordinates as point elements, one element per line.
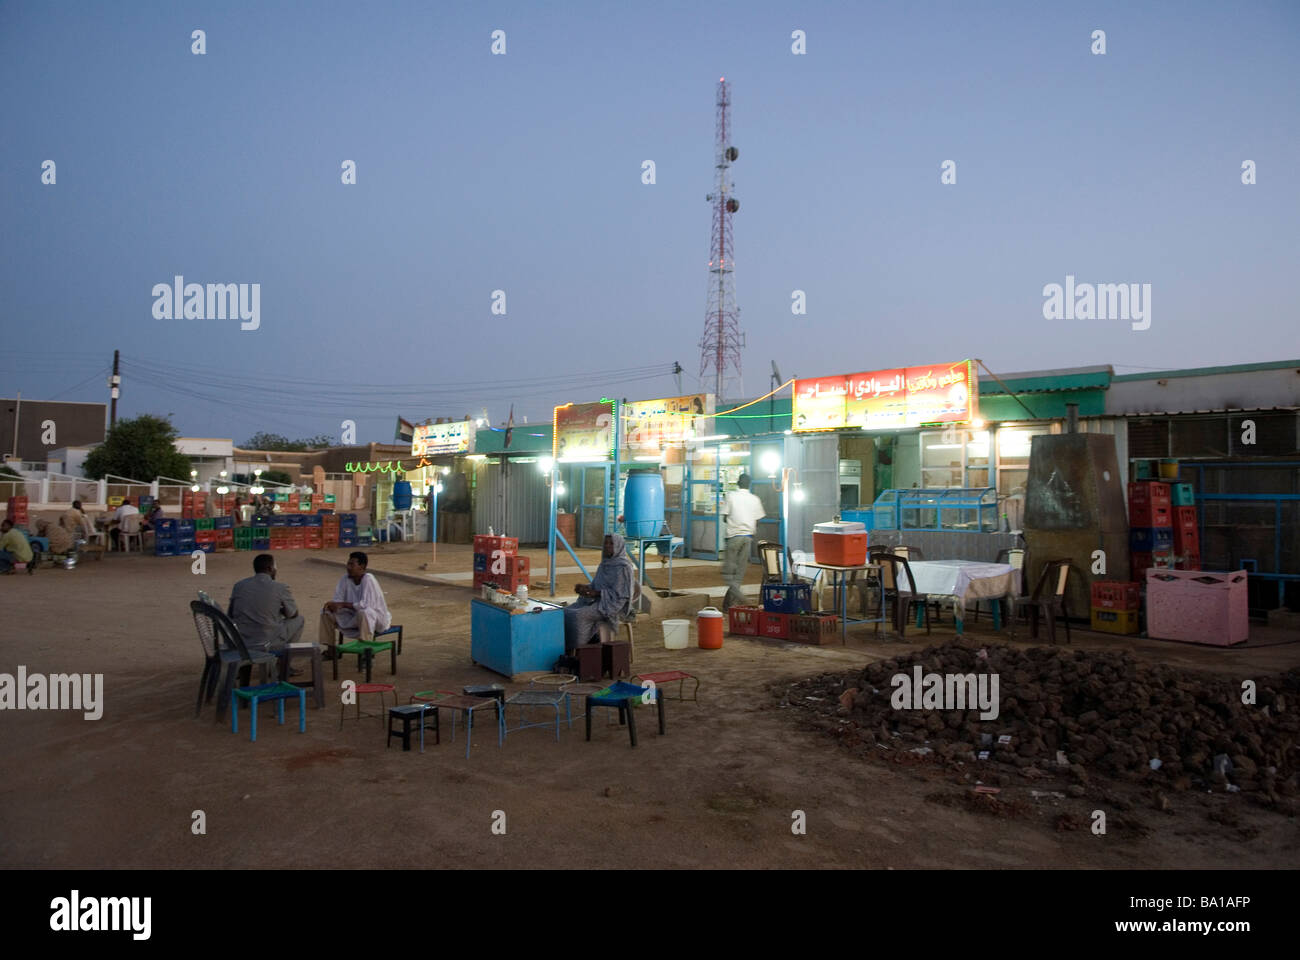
<point>1075,712</point>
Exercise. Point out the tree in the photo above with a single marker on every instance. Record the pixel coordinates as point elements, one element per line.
<point>274,441</point>
<point>139,449</point>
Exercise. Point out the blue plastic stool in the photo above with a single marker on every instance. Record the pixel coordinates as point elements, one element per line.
<point>624,697</point>
<point>279,692</point>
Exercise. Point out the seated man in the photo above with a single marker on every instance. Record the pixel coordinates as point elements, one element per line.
<point>14,547</point>
<point>61,541</point>
<point>150,521</point>
<point>125,510</point>
<point>358,609</point>
<point>607,598</point>
<point>74,521</point>
<point>263,610</point>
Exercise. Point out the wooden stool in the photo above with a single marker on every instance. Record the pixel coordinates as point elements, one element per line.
<point>317,683</point>
<point>590,661</point>
<point>413,713</point>
<point>616,659</point>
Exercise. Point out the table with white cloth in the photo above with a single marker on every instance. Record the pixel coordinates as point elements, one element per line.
<point>961,581</point>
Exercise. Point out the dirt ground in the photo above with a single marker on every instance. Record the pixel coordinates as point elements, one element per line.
<point>719,790</point>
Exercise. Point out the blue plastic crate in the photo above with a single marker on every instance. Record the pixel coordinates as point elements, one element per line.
<point>311,520</point>
<point>480,562</point>
<point>185,525</point>
<point>277,520</point>
<point>261,544</point>
<point>1150,539</point>
<point>348,519</point>
<point>207,546</point>
<point>223,523</point>
<point>347,541</point>
<point>165,525</point>
<point>164,549</point>
<point>364,541</point>
<point>295,519</point>
<point>787,597</point>
<point>184,544</point>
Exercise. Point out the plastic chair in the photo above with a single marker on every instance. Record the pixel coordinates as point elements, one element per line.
<point>769,554</point>
<point>1048,598</point>
<point>129,530</point>
<point>904,600</point>
<point>1018,558</point>
<point>222,646</point>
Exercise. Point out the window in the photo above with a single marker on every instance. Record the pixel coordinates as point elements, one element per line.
<point>1014,444</point>
<point>954,458</point>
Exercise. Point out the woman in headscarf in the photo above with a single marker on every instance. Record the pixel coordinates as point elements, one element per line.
<point>607,598</point>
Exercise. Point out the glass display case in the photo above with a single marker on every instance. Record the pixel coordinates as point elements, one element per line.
<point>957,509</point>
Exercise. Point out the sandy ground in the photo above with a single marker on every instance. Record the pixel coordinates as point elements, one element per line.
<point>719,790</point>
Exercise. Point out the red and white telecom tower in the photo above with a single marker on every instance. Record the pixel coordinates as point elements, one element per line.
<point>722,340</point>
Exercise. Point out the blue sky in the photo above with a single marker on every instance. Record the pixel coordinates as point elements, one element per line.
<point>523,173</point>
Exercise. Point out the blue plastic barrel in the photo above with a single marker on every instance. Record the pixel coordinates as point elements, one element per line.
<point>643,503</point>
<point>402,495</point>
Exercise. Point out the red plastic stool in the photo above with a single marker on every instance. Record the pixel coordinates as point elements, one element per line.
<point>362,688</point>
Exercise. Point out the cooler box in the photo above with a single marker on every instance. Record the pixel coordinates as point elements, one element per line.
<point>842,543</point>
<point>1197,607</point>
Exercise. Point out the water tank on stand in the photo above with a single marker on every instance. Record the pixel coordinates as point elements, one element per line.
<point>643,503</point>
<point>402,495</point>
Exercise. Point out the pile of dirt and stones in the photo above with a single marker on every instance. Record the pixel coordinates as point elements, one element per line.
<point>1076,714</point>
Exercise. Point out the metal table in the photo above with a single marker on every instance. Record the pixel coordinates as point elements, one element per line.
<point>666,542</point>
<point>540,698</point>
<point>840,580</point>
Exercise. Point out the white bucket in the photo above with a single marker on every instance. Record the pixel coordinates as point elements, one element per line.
<point>677,634</point>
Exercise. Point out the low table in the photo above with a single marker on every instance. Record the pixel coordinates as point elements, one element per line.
<point>540,698</point>
<point>408,714</point>
<point>444,699</point>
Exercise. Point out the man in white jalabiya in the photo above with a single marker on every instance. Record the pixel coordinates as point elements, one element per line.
<point>358,609</point>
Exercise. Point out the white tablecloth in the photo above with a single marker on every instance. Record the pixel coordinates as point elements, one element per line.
<point>963,580</point>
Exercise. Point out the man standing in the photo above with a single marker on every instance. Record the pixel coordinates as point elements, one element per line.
<point>264,611</point>
<point>358,609</point>
<point>742,511</point>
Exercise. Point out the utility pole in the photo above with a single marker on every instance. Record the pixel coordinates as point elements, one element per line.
<point>677,372</point>
<point>115,382</point>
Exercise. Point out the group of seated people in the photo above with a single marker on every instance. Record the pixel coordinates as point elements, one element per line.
<point>267,616</point>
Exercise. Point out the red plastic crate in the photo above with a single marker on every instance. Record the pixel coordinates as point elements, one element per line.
<point>1184,519</point>
<point>1186,541</point>
<point>488,545</point>
<point>744,621</point>
<point>1141,562</point>
<point>775,625</point>
<point>1116,595</point>
<point>279,544</point>
<point>815,628</point>
<point>1148,491</point>
<point>205,536</point>
<point>1150,515</point>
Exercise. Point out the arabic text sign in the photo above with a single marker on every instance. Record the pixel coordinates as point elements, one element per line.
<point>442,438</point>
<point>886,399</point>
<point>819,403</point>
<point>647,424</point>
<point>584,430</point>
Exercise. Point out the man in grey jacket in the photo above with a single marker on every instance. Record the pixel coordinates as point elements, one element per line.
<point>263,610</point>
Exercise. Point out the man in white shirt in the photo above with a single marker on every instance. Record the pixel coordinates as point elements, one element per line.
<point>742,511</point>
<point>125,510</point>
<point>358,609</point>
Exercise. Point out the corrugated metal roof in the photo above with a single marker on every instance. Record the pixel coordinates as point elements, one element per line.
<point>1208,371</point>
<point>1048,381</point>
<point>1203,412</point>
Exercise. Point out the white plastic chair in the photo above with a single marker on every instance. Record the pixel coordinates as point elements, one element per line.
<point>128,530</point>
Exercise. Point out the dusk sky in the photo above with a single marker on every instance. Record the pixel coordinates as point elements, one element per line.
<point>523,172</point>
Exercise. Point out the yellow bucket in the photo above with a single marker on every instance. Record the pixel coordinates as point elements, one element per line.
<point>1168,469</point>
